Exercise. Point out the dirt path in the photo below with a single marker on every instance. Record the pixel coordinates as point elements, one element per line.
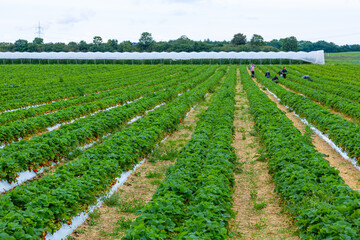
<point>111,221</point>
<point>259,212</point>
<point>348,172</point>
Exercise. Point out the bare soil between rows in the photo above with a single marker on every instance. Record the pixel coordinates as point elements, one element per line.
<point>254,185</point>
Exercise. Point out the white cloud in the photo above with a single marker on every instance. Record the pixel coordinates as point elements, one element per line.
<point>76,17</point>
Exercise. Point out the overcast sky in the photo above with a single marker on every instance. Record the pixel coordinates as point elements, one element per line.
<point>74,20</point>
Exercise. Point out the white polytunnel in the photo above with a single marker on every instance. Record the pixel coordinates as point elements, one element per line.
<point>316,57</point>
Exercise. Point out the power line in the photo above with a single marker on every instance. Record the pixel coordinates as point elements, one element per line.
<point>39,31</point>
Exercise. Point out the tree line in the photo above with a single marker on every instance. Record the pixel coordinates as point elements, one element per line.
<point>146,43</point>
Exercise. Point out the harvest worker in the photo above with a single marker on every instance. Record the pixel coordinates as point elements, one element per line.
<point>267,74</point>
<point>284,72</point>
<point>275,79</point>
<point>252,69</point>
<point>306,77</point>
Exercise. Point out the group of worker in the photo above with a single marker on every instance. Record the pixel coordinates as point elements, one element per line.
<point>282,73</point>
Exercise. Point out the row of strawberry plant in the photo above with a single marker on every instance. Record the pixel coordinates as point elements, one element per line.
<point>335,73</point>
<point>339,82</point>
<point>321,86</point>
<point>326,81</point>
<point>20,129</point>
<point>343,133</point>
<point>34,76</point>
<point>52,146</point>
<point>317,73</point>
<point>332,101</point>
<point>8,117</point>
<point>194,201</point>
<point>42,80</point>
<point>323,206</point>
<point>55,198</point>
<point>70,89</point>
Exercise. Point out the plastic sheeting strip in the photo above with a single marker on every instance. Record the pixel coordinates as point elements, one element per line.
<point>91,114</point>
<point>23,177</point>
<point>330,142</point>
<point>32,106</point>
<point>65,99</point>
<point>52,128</point>
<point>191,110</point>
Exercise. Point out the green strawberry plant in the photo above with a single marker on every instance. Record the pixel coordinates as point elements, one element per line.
<point>74,186</point>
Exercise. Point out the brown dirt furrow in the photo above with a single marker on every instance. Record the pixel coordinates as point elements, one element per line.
<point>259,214</point>
<point>111,222</point>
<point>348,172</point>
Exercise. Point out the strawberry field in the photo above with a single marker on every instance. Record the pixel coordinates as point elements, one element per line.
<point>68,133</point>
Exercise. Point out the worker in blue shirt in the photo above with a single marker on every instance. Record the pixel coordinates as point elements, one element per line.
<point>284,72</point>
<point>275,79</point>
<point>306,77</point>
<point>267,74</point>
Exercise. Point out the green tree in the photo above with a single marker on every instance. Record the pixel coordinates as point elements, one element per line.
<point>183,40</point>
<point>275,43</point>
<point>6,47</point>
<point>201,47</point>
<point>73,47</point>
<point>183,44</point>
<point>305,46</point>
<point>97,40</point>
<point>38,41</point>
<point>162,47</point>
<point>239,39</point>
<point>83,46</point>
<point>59,47</point>
<point>21,45</point>
<point>290,44</point>
<point>126,46</point>
<point>257,40</point>
<point>112,45</point>
<point>37,45</point>
<point>327,47</point>
<point>146,41</point>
